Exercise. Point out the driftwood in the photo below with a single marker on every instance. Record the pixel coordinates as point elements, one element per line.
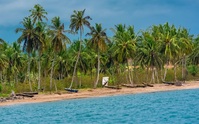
<point>173,83</point>
<point>148,85</point>
<point>178,83</point>
<point>128,85</point>
<point>137,86</point>
<point>10,98</point>
<point>113,87</point>
<point>27,94</point>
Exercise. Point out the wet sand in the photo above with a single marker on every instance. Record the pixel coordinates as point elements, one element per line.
<point>99,92</point>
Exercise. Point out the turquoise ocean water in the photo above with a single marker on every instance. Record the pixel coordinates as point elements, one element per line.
<point>174,107</point>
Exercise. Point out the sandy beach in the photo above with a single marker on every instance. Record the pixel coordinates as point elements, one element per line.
<point>99,92</point>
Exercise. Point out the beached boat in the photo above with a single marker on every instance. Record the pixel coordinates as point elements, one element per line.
<point>71,90</point>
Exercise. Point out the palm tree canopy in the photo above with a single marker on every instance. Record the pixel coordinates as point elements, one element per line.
<point>98,38</point>
<point>125,42</point>
<point>59,39</point>
<point>148,54</point>
<point>38,13</point>
<point>29,35</point>
<point>78,20</point>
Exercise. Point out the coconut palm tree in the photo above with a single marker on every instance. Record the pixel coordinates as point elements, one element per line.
<point>42,34</point>
<point>148,54</point>
<point>28,38</point>
<point>186,45</point>
<point>77,23</point>
<point>38,13</point>
<point>17,60</point>
<point>59,41</point>
<point>98,43</point>
<point>194,56</point>
<point>168,39</point>
<point>3,59</point>
<point>125,45</point>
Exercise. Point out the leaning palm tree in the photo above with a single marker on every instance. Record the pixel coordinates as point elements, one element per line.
<point>77,23</point>
<point>98,43</point>
<point>59,40</point>
<point>28,38</point>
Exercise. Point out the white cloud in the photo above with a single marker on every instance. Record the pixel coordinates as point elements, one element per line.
<point>12,12</point>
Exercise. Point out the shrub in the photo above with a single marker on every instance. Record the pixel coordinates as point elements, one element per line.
<point>193,70</point>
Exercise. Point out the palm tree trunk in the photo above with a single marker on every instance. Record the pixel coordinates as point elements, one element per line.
<point>78,56</point>
<point>165,71</point>
<point>55,86</point>
<point>129,73</point>
<point>80,82</point>
<point>98,68</point>
<point>184,70</point>
<point>147,74</point>
<point>51,73</point>
<point>156,74</point>
<point>153,76</point>
<point>39,74</point>
<point>175,76</point>
<point>29,75</point>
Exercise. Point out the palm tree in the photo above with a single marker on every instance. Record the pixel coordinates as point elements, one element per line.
<point>28,38</point>
<point>77,22</point>
<point>148,54</point>
<point>125,45</point>
<point>185,43</point>
<point>168,39</point>
<point>1,41</point>
<point>16,60</point>
<point>98,43</point>
<point>194,56</point>
<point>59,40</point>
<point>3,59</point>
<point>41,32</point>
<point>38,13</point>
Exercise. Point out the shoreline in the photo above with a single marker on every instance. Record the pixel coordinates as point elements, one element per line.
<point>100,92</point>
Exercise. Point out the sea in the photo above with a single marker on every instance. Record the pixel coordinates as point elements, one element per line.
<point>170,107</point>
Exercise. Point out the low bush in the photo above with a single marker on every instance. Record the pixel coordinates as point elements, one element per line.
<point>193,70</point>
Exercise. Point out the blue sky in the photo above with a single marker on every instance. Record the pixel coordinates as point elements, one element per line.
<point>139,13</point>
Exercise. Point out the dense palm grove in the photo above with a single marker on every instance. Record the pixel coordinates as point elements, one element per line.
<point>44,58</point>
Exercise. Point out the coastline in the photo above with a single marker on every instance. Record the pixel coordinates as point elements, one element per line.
<point>100,92</point>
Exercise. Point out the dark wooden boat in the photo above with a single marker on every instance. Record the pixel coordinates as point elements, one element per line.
<point>71,90</point>
<point>24,95</point>
<point>169,83</point>
<point>113,87</point>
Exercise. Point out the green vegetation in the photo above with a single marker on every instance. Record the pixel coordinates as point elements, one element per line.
<point>49,61</point>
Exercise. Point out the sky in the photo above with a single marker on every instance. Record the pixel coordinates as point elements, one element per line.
<point>139,13</point>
